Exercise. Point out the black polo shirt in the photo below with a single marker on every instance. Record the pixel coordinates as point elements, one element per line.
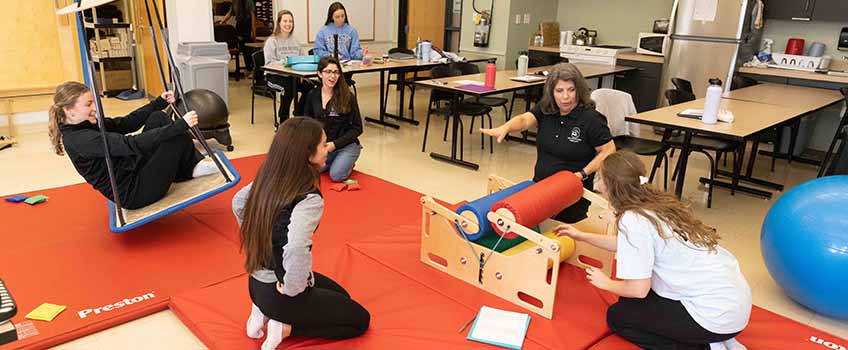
<point>568,142</point>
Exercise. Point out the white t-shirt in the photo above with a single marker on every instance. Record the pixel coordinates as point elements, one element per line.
<point>709,285</point>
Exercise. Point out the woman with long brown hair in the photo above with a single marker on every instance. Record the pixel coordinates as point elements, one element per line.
<point>145,165</point>
<point>678,288</point>
<point>571,136</point>
<point>278,214</point>
<point>277,49</point>
<point>335,106</point>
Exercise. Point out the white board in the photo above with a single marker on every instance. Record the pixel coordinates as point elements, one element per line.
<point>360,14</point>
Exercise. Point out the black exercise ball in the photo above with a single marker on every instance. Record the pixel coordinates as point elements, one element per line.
<point>211,109</point>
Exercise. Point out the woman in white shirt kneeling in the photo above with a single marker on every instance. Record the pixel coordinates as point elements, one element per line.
<point>678,288</point>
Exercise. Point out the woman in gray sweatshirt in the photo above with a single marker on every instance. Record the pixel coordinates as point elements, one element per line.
<point>278,47</point>
<point>278,214</point>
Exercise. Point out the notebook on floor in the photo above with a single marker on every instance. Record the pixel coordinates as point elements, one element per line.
<point>501,328</point>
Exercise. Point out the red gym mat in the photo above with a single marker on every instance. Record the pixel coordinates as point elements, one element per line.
<point>404,314</point>
<point>62,252</point>
<point>579,313</point>
<point>765,331</point>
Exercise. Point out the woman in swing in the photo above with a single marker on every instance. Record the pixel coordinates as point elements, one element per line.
<point>145,165</point>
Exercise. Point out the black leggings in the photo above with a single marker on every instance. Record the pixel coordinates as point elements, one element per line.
<point>166,162</point>
<point>288,95</point>
<point>657,323</point>
<point>324,310</point>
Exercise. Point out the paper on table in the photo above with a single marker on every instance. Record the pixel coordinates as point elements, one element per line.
<point>705,10</point>
<point>528,78</point>
<point>499,327</point>
<point>467,82</point>
<point>724,115</point>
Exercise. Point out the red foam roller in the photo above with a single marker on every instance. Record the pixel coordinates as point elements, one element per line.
<point>541,201</point>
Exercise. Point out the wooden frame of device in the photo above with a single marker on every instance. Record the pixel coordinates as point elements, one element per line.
<point>524,278</point>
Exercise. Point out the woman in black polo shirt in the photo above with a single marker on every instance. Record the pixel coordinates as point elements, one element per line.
<point>572,136</point>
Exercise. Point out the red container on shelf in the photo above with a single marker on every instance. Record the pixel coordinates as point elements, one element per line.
<point>490,74</point>
<point>795,46</point>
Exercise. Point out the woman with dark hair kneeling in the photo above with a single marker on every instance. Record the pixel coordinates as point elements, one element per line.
<point>679,289</point>
<point>336,107</point>
<point>278,214</point>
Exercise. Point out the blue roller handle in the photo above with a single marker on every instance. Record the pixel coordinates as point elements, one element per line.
<point>480,208</point>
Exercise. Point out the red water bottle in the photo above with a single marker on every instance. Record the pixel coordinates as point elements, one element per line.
<point>490,74</point>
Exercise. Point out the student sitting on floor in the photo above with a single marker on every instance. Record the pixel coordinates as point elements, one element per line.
<point>145,165</point>
<point>278,214</point>
<point>679,289</point>
<point>336,107</point>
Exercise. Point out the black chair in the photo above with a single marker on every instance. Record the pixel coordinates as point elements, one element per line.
<point>840,136</point>
<point>470,68</point>
<point>640,146</point>
<point>396,81</point>
<point>227,34</point>
<point>700,143</point>
<point>440,97</point>
<point>261,85</point>
<point>682,84</point>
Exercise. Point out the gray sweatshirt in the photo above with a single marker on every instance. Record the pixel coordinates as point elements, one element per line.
<point>278,48</point>
<point>293,233</point>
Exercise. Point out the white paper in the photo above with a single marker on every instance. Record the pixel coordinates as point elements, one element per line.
<point>499,326</point>
<point>528,78</point>
<point>705,10</point>
<point>466,82</point>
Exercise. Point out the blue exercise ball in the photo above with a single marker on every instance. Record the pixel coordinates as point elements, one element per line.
<point>805,244</point>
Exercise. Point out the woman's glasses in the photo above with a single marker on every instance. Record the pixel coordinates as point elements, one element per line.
<point>330,72</point>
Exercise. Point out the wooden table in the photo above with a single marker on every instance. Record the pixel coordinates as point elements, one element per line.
<point>401,66</point>
<point>750,118</point>
<point>809,99</point>
<point>503,84</point>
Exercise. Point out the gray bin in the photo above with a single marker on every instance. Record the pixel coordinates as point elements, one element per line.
<point>204,65</point>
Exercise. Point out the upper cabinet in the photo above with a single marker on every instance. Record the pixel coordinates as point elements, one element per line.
<point>807,10</point>
<point>831,10</point>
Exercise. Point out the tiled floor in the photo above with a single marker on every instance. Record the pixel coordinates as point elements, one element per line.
<point>395,155</point>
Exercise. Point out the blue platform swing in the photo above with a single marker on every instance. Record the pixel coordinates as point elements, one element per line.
<point>182,194</point>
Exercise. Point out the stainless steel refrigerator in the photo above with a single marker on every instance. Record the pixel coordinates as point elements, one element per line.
<point>709,39</point>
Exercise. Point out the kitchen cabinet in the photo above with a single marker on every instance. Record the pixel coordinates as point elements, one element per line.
<point>789,9</point>
<point>830,10</point>
<point>643,84</point>
<point>806,10</point>
<point>539,58</point>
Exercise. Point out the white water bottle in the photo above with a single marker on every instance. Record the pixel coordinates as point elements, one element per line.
<point>713,100</point>
<point>522,65</point>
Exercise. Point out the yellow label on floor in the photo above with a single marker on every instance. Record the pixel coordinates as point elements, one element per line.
<point>46,312</point>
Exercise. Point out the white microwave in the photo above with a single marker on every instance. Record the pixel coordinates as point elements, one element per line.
<point>652,44</point>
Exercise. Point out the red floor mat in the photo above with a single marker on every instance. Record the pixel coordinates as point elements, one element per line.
<point>404,314</point>
<point>765,331</point>
<point>62,252</point>
<point>579,313</point>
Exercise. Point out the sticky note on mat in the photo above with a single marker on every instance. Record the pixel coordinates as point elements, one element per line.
<point>36,199</point>
<point>351,181</point>
<point>16,199</point>
<point>338,187</point>
<point>46,312</point>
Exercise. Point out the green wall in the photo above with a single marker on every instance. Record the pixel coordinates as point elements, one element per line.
<point>618,22</point>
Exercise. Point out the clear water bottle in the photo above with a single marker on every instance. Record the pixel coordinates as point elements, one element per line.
<point>713,100</point>
<point>523,60</point>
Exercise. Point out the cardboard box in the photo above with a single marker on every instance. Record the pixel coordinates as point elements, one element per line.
<point>116,80</point>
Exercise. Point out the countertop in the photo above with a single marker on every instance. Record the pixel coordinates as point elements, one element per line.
<point>632,56</point>
<point>786,73</point>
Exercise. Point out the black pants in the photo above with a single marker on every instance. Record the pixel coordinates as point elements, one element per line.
<point>657,323</point>
<point>162,164</point>
<point>577,211</point>
<point>288,95</point>
<point>324,310</point>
